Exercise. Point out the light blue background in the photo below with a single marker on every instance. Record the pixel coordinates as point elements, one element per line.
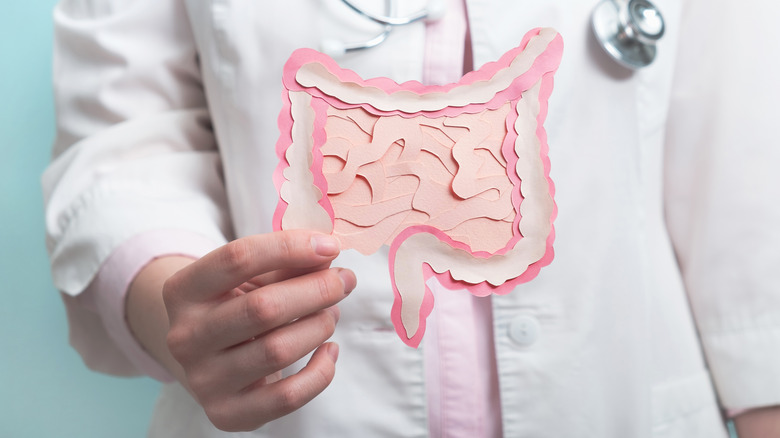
<point>45,390</point>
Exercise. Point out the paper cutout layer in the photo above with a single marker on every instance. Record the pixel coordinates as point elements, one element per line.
<point>454,178</point>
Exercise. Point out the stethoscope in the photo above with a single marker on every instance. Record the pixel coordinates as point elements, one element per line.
<point>433,11</point>
<point>627,30</point>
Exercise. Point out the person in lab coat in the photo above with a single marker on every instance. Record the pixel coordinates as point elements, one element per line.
<point>660,311</point>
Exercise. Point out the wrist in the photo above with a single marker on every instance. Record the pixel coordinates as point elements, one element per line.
<point>758,423</point>
<point>145,311</point>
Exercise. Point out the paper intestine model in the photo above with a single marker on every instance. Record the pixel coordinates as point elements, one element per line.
<point>455,178</point>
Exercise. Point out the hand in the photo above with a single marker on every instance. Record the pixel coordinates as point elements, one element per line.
<point>759,423</point>
<point>241,314</point>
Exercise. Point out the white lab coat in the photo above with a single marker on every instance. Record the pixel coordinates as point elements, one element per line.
<point>673,163</point>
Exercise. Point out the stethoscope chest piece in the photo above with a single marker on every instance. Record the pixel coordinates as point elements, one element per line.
<point>628,30</point>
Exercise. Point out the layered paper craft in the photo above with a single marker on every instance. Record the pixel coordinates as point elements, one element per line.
<point>454,178</point>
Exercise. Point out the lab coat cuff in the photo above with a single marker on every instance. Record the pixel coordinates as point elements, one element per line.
<point>744,366</point>
<point>110,286</point>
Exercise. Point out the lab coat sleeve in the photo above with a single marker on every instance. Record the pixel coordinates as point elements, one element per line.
<point>106,296</point>
<point>722,191</point>
<point>134,152</point>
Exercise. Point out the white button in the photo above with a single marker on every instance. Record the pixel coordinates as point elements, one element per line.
<point>524,330</point>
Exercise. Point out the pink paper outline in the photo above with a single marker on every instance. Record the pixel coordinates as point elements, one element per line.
<point>320,108</point>
<point>547,61</point>
<point>544,67</point>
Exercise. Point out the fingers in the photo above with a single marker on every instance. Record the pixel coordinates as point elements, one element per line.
<point>262,403</point>
<point>251,361</point>
<point>261,310</point>
<point>283,274</point>
<point>249,309</point>
<point>233,264</point>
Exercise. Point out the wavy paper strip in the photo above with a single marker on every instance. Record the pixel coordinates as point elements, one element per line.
<point>455,178</point>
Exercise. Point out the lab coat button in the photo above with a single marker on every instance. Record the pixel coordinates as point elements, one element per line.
<point>524,330</point>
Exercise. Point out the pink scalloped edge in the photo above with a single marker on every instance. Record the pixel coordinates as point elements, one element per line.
<point>285,122</point>
<point>544,65</point>
<point>484,288</point>
<point>546,62</point>
<point>320,108</point>
<point>425,308</point>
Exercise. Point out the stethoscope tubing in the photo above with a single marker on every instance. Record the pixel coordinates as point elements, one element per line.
<point>618,30</point>
<point>388,19</point>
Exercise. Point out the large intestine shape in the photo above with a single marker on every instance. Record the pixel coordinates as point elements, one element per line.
<point>454,178</point>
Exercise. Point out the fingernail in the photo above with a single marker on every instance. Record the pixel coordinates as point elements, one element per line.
<point>349,280</point>
<point>325,245</point>
<point>333,351</point>
<point>335,311</point>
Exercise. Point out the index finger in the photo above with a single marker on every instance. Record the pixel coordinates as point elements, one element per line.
<point>231,265</point>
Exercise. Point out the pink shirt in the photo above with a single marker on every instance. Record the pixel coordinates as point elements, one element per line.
<point>461,370</point>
